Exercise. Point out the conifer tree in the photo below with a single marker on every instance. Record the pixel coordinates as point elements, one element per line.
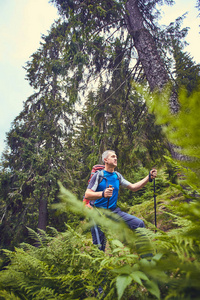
<point>36,155</point>
<point>187,73</point>
<point>96,28</point>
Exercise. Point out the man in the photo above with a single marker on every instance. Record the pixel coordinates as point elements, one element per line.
<point>101,195</point>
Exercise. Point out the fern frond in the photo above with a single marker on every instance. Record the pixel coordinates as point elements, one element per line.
<point>6,295</point>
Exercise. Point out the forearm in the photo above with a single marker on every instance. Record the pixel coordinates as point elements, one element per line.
<point>91,195</point>
<point>138,185</point>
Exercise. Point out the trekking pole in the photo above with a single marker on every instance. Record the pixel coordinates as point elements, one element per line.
<point>97,234</point>
<point>109,198</point>
<point>154,187</point>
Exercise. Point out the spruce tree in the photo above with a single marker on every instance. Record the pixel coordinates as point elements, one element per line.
<point>97,27</point>
<point>36,156</point>
<point>187,73</point>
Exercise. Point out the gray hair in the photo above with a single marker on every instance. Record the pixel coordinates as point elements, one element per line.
<point>105,154</point>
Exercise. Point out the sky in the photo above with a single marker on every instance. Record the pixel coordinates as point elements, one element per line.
<point>22,23</point>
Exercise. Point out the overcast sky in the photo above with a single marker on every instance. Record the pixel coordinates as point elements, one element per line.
<point>22,22</point>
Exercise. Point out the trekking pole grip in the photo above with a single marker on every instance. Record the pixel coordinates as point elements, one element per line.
<point>110,186</point>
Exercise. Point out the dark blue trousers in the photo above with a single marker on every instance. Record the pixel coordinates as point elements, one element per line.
<point>99,237</point>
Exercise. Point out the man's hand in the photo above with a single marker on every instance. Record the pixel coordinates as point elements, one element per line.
<point>108,192</point>
<point>153,173</point>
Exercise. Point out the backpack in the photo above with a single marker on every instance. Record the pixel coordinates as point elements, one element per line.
<point>95,168</point>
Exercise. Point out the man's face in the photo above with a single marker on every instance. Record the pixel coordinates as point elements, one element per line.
<point>111,159</point>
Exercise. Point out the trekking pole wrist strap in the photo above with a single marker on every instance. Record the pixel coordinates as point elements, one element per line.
<point>103,193</point>
<point>150,179</point>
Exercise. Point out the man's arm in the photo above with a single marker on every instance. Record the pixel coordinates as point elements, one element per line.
<point>138,185</point>
<point>91,195</point>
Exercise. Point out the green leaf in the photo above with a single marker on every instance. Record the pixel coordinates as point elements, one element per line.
<point>122,282</point>
<point>138,275</point>
<point>152,287</point>
<point>123,270</point>
<point>117,250</point>
<point>117,243</point>
<point>157,257</point>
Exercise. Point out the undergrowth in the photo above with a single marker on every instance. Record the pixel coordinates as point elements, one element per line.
<point>68,266</point>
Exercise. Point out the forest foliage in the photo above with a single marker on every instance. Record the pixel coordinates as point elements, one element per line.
<point>92,92</point>
<point>67,265</point>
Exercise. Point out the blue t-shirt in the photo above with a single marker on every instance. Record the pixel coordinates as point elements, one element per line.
<point>109,178</point>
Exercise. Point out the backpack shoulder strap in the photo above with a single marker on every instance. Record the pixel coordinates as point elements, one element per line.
<point>101,175</point>
<point>118,176</point>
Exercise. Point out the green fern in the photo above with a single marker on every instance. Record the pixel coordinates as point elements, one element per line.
<point>182,130</point>
<point>70,267</point>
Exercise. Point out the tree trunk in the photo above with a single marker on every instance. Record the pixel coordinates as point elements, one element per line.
<point>149,57</point>
<point>42,220</point>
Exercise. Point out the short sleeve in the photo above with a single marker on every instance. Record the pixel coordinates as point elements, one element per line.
<point>93,184</point>
<point>123,181</point>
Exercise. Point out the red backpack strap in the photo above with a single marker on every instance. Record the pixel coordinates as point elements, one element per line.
<point>96,168</point>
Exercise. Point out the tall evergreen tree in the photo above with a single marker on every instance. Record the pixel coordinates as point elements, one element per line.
<point>36,155</point>
<point>187,73</point>
<point>97,26</point>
